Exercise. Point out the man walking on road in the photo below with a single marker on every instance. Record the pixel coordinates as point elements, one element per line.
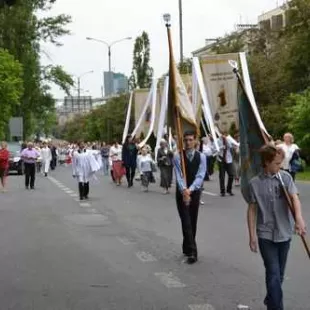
<point>30,156</point>
<point>188,193</point>
<point>270,221</point>
<point>46,156</point>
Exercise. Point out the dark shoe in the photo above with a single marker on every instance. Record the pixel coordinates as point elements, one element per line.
<point>32,188</point>
<point>223,194</point>
<point>27,187</point>
<point>45,174</point>
<point>81,198</point>
<point>86,197</point>
<point>191,260</point>
<point>231,193</point>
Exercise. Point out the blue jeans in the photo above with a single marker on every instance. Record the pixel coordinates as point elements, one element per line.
<point>105,165</point>
<point>274,256</point>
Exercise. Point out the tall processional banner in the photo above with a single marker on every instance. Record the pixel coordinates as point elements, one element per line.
<point>222,89</point>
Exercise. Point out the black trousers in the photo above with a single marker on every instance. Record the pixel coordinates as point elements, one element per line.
<point>83,190</point>
<point>210,164</point>
<point>30,174</point>
<point>130,174</point>
<point>189,217</point>
<point>229,169</point>
<point>53,163</point>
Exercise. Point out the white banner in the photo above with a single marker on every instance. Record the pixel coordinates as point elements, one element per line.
<point>222,88</point>
<point>249,90</point>
<point>205,106</point>
<point>126,128</point>
<point>140,109</point>
<point>162,116</point>
<point>153,112</point>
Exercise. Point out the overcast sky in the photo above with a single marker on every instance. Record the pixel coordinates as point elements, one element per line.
<point>111,20</point>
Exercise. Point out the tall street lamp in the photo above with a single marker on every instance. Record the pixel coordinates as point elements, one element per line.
<point>79,81</point>
<point>109,45</point>
<point>181,30</point>
<point>79,85</point>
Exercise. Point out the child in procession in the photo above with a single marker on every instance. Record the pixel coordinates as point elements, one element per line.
<point>270,221</point>
<point>145,165</point>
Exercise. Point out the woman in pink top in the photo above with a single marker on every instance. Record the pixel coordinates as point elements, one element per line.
<point>4,164</point>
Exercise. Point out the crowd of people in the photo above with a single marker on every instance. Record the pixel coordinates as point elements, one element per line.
<point>135,163</point>
<point>269,219</point>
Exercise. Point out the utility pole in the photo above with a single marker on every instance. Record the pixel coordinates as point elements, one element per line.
<point>79,94</point>
<point>181,30</point>
<point>109,53</point>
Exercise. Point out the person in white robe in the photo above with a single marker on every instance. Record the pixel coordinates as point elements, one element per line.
<point>97,155</point>
<point>46,157</point>
<point>84,166</point>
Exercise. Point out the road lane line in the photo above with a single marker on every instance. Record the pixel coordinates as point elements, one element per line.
<point>69,191</point>
<point>125,241</point>
<point>210,194</point>
<point>169,280</point>
<point>85,205</point>
<point>201,307</point>
<point>146,257</point>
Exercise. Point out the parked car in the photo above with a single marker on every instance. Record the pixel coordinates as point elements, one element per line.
<point>15,161</point>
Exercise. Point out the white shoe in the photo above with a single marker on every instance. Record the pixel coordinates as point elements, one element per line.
<point>202,202</point>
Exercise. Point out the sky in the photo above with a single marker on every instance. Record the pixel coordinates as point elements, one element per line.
<point>111,20</point>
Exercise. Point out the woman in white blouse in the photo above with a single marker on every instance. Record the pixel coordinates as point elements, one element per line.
<point>290,149</point>
<point>117,164</point>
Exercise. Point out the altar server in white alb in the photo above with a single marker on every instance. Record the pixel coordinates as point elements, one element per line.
<point>46,157</point>
<point>97,155</point>
<point>84,166</point>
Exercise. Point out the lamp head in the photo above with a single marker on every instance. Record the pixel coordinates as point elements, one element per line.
<point>167,19</point>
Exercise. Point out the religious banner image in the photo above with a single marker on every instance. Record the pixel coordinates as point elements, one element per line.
<point>140,99</point>
<point>222,89</point>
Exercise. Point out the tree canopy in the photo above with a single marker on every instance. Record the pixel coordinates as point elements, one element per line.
<point>11,88</point>
<point>142,73</point>
<point>21,34</point>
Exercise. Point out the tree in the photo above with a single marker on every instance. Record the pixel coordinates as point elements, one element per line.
<point>21,33</point>
<point>11,88</point>
<point>105,123</point>
<point>299,118</point>
<point>141,76</point>
<point>297,37</point>
<point>185,67</point>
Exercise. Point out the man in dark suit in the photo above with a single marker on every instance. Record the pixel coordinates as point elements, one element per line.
<point>188,193</point>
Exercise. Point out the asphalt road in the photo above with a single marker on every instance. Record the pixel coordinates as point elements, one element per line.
<point>121,250</point>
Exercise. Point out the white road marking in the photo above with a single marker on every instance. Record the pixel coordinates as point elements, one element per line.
<point>125,241</point>
<point>146,257</point>
<point>201,307</point>
<point>210,194</point>
<point>94,211</point>
<point>74,195</point>
<point>243,307</point>
<point>69,191</point>
<point>169,280</point>
<point>84,205</point>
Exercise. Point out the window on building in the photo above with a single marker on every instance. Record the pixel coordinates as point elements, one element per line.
<point>277,22</point>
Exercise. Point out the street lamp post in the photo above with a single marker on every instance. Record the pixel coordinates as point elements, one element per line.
<point>181,30</point>
<point>109,46</point>
<point>79,86</point>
